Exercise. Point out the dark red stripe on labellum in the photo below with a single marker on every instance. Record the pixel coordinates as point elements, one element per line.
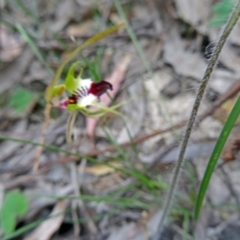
<point>64,103</point>
<point>99,88</point>
<point>73,99</point>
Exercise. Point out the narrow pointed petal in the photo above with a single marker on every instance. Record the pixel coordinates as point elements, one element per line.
<point>71,82</point>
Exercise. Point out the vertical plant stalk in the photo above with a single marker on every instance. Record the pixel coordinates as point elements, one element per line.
<point>212,62</point>
<point>70,124</point>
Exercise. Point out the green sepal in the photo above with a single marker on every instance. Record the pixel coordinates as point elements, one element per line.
<point>58,90</point>
<point>71,81</point>
<point>74,107</point>
<point>101,112</point>
<point>55,91</point>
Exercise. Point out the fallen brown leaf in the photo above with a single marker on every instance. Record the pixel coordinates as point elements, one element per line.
<point>222,113</point>
<point>232,147</point>
<point>79,30</point>
<point>50,226</point>
<point>100,170</point>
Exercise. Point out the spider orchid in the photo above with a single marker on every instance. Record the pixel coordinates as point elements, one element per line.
<point>87,93</point>
<point>82,94</point>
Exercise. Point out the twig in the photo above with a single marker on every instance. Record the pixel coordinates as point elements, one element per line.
<point>76,182</point>
<point>227,30</point>
<point>42,137</point>
<point>76,226</point>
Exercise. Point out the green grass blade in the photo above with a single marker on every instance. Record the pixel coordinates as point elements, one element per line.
<point>52,148</point>
<point>131,170</point>
<point>116,201</point>
<point>23,7</point>
<point>61,150</point>
<point>113,141</point>
<point>215,155</point>
<point>133,37</point>
<point>33,46</point>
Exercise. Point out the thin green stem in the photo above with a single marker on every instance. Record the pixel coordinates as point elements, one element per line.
<point>133,38</point>
<point>49,147</point>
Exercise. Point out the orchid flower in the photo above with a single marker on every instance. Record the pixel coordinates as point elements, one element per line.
<point>82,93</point>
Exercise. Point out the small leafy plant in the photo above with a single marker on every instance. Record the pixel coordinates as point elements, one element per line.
<point>14,205</point>
<point>21,99</point>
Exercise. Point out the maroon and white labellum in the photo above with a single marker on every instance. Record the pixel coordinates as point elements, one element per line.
<point>87,93</point>
<point>99,88</point>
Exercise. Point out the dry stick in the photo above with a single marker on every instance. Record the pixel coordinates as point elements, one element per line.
<point>75,181</point>
<point>77,185</point>
<point>227,30</point>
<point>42,137</point>
<point>74,178</point>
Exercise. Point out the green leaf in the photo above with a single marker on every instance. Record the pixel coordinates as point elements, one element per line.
<point>232,118</point>
<point>223,8</point>
<point>15,204</point>
<point>221,12</point>
<point>56,91</point>
<point>8,222</point>
<point>21,99</point>
<point>93,65</point>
